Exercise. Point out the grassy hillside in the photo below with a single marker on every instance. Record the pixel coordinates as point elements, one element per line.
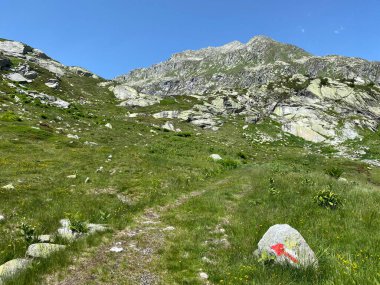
<point>265,177</point>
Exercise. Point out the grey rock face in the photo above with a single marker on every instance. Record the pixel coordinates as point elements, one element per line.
<point>4,62</point>
<point>49,100</point>
<point>14,48</point>
<point>286,246</point>
<point>52,83</point>
<point>238,65</point>
<point>17,77</point>
<point>12,267</point>
<point>43,250</point>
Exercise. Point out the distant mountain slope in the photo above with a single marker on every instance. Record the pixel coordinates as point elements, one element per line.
<point>237,65</point>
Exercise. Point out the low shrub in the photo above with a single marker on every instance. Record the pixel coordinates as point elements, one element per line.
<point>334,172</point>
<point>328,199</point>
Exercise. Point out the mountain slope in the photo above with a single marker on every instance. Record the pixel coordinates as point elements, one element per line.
<point>76,146</point>
<point>238,65</point>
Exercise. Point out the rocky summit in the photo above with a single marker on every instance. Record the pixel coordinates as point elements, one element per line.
<point>320,99</point>
<point>203,169</point>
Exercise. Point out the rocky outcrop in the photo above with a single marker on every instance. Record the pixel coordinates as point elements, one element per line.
<point>20,50</point>
<point>238,65</point>
<point>130,97</point>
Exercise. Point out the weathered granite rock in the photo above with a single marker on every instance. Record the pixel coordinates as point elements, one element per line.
<point>52,83</point>
<point>12,267</point>
<point>17,77</point>
<point>14,48</point>
<point>215,156</point>
<point>286,246</point>
<point>43,250</point>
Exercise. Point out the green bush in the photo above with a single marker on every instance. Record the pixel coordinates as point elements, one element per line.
<point>77,223</point>
<point>229,163</point>
<point>328,199</point>
<point>334,172</point>
<point>10,117</point>
<point>28,233</point>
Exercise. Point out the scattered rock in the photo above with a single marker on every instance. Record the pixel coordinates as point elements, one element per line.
<point>17,77</point>
<point>73,176</point>
<point>2,218</point>
<point>31,74</point>
<point>49,100</point>
<point>45,238</point>
<point>100,169</point>
<point>8,187</point>
<point>65,232</point>
<point>116,249</point>
<point>108,125</point>
<point>70,136</point>
<point>203,275</point>
<point>43,250</point>
<point>52,83</point>
<point>87,180</point>
<point>168,126</point>
<point>215,157</point>
<point>12,267</point>
<point>286,246</point>
<point>92,228</point>
<point>170,228</point>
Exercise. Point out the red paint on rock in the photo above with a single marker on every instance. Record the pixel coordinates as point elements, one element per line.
<point>279,249</point>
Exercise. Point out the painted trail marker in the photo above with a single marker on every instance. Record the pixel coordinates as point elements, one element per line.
<point>279,249</point>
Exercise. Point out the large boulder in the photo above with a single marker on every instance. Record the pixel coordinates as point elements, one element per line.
<point>285,245</point>
<point>17,77</point>
<point>14,48</point>
<point>43,250</point>
<point>12,267</point>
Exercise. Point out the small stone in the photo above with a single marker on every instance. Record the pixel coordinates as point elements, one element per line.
<point>203,275</point>
<point>43,250</point>
<point>2,218</point>
<point>87,180</point>
<point>44,238</point>
<point>215,156</point>
<point>100,169</point>
<point>70,136</point>
<point>8,187</point>
<point>74,176</point>
<point>92,228</point>
<point>170,228</point>
<point>116,249</point>
<point>52,83</point>
<point>108,125</point>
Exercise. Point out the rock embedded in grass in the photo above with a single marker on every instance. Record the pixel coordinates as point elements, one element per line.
<point>43,250</point>
<point>2,218</point>
<point>285,245</point>
<point>13,267</point>
<point>215,156</point>
<point>8,187</point>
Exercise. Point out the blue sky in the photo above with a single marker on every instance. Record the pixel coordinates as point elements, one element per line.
<point>112,37</point>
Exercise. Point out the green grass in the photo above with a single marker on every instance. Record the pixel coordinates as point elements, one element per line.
<point>345,240</point>
<point>150,169</point>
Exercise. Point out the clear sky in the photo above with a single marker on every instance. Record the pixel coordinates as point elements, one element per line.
<point>112,37</point>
